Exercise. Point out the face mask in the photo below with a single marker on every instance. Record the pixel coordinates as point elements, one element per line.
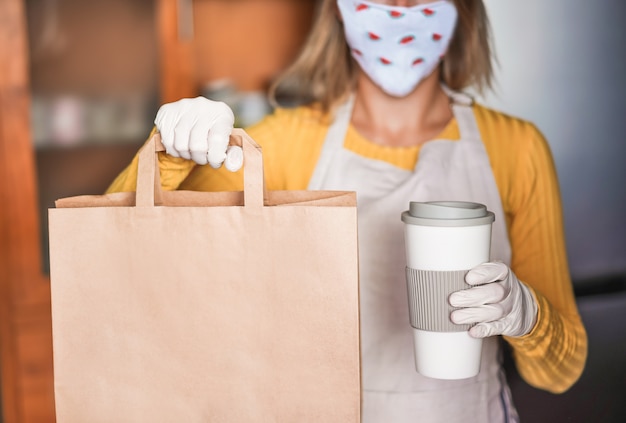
<point>397,46</point>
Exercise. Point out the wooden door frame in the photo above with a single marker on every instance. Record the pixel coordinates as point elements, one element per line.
<point>176,65</point>
<point>25,322</point>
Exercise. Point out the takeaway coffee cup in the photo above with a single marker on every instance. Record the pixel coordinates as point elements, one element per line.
<point>443,240</point>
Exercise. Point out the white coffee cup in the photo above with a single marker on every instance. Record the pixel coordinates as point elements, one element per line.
<point>443,240</point>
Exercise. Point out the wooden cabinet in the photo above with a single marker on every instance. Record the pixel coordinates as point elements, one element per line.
<point>247,41</point>
<point>25,329</point>
<point>194,42</point>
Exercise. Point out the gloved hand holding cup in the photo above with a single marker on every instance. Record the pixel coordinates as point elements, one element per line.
<point>497,302</point>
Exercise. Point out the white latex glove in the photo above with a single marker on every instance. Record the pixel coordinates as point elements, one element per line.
<point>497,302</point>
<point>198,129</point>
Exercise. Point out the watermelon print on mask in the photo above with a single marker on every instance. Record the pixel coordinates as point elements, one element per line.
<point>397,47</point>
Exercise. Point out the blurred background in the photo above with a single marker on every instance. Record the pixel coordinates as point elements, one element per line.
<point>97,72</point>
<point>561,65</point>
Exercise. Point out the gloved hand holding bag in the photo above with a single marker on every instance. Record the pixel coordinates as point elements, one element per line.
<point>198,129</point>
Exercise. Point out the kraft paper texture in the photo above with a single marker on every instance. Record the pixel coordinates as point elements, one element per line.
<point>205,307</point>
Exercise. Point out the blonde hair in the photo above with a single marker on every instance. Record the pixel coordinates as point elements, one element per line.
<point>324,72</point>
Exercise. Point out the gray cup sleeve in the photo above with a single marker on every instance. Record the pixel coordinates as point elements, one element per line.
<point>428,293</point>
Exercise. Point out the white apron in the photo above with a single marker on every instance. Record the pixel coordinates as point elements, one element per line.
<point>393,392</point>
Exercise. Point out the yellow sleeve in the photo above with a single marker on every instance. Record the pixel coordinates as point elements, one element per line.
<point>173,172</point>
<point>291,140</point>
<point>551,357</point>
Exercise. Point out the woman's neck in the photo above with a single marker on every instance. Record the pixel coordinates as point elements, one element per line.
<point>401,122</point>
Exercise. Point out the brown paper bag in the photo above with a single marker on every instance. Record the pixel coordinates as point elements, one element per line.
<point>205,307</point>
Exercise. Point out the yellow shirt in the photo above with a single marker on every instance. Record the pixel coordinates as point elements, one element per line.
<point>553,355</point>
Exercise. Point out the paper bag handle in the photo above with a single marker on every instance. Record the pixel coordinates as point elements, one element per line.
<point>149,192</point>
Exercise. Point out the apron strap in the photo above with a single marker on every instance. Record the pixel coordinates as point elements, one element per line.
<point>464,114</point>
<point>468,127</point>
<point>334,141</point>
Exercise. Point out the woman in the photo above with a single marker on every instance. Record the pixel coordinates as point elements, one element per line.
<point>379,111</point>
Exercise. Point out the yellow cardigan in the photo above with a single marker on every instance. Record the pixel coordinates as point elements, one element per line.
<point>553,355</point>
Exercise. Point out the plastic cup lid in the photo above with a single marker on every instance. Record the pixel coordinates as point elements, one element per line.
<point>447,213</point>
